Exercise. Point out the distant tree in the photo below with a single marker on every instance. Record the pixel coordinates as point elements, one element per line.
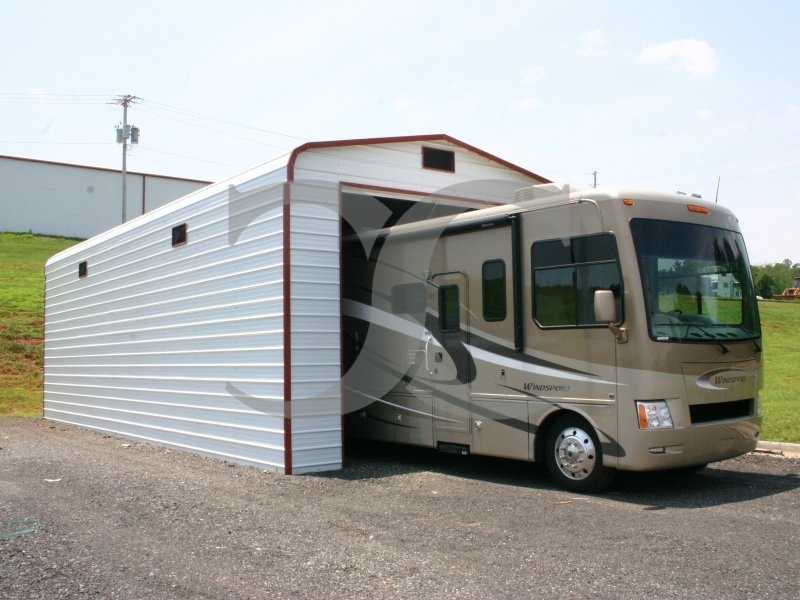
<point>773,279</point>
<point>766,286</point>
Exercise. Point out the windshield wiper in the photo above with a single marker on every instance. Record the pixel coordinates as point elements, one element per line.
<point>725,349</point>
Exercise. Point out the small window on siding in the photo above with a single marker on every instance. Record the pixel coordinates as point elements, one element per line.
<point>494,290</point>
<point>83,269</point>
<point>448,308</point>
<point>179,234</point>
<point>441,160</point>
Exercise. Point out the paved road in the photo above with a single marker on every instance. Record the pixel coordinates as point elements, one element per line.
<point>88,516</point>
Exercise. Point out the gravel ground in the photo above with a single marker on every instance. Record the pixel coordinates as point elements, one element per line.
<point>84,515</point>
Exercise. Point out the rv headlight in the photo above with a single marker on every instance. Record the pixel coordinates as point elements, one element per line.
<point>653,414</point>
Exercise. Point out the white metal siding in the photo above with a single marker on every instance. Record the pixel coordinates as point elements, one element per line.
<point>399,166</point>
<point>180,346</point>
<point>315,327</point>
<point>74,201</point>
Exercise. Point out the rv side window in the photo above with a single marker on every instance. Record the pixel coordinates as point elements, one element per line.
<point>83,269</point>
<point>448,308</point>
<point>566,274</point>
<point>409,298</point>
<point>494,290</point>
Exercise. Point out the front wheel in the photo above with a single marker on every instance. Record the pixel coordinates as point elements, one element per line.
<point>574,457</point>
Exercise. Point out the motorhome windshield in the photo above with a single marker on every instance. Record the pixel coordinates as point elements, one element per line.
<point>697,282</point>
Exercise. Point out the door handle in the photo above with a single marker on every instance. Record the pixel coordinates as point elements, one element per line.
<point>428,355</point>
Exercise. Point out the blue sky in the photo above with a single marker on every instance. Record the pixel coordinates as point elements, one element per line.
<point>663,95</point>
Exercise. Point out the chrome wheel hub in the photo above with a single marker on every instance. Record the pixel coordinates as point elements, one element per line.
<point>575,453</point>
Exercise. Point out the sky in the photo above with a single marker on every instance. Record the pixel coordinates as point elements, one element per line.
<point>699,96</point>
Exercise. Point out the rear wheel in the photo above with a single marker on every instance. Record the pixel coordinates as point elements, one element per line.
<point>574,457</point>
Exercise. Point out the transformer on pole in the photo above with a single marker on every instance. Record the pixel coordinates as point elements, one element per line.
<point>126,132</point>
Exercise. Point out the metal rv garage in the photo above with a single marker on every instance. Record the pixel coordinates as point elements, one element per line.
<point>212,324</point>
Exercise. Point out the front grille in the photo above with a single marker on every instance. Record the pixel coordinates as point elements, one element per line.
<point>721,411</point>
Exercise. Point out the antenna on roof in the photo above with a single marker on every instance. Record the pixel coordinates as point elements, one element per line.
<point>716,196</point>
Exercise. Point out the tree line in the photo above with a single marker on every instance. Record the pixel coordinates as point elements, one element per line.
<point>773,279</point>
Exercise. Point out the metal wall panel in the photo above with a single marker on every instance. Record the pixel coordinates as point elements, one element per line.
<point>178,346</point>
<point>399,166</point>
<point>315,327</point>
<point>75,201</point>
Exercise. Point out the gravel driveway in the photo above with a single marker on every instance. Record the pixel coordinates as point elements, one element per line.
<point>84,515</point>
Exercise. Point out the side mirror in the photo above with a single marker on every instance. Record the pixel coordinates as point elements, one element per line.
<point>605,309</point>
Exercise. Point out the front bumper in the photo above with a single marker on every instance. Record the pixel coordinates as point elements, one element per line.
<point>644,450</point>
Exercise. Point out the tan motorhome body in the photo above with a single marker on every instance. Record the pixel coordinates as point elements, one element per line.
<point>494,382</point>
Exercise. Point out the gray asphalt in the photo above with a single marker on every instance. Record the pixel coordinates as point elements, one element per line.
<point>84,515</point>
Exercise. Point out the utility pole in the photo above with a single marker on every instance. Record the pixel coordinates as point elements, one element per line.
<point>594,173</point>
<point>125,133</point>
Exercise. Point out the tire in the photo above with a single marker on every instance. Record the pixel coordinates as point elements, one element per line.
<point>574,456</point>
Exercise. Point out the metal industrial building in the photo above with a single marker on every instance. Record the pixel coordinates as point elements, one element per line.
<point>213,324</point>
<point>78,201</point>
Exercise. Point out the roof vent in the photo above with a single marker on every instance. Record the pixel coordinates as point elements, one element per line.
<point>441,160</point>
<point>539,192</point>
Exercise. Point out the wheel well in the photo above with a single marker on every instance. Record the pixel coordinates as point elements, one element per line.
<point>544,427</point>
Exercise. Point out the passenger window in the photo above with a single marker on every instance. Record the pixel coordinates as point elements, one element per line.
<point>494,290</point>
<point>448,308</point>
<point>566,274</point>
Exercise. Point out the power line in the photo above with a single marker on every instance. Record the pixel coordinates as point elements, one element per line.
<point>219,120</point>
<point>90,99</point>
<point>28,98</point>
<point>233,135</point>
<point>212,162</point>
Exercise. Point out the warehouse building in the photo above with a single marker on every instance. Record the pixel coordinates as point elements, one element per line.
<point>76,201</point>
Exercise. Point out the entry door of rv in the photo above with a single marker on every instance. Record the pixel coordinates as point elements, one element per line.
<point>448,361</point>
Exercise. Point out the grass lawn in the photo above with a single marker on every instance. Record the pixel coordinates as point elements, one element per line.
<point>780,324</point>
<point>22,258</point>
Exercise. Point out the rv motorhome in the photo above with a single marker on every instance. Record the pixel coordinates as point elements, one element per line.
<point>577,329</point>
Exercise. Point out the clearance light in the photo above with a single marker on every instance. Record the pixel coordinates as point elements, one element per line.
<point>627,201</point>
<point>653,414</point>
<point>698,209</point>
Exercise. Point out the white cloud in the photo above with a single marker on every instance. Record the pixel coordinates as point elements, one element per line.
<point>534,74</point>
<point>704,114</point>
<point>526,104</point>
<point>593,43</point>
<point>695,56</point>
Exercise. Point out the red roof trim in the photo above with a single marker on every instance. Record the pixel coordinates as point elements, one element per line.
<point>436,137</point>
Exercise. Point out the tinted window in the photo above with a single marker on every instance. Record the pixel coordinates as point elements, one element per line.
<point>494,290</point>
<point>448,308</point>
<point>566,274</point>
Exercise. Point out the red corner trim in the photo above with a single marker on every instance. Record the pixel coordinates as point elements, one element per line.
<point>287,333</point>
